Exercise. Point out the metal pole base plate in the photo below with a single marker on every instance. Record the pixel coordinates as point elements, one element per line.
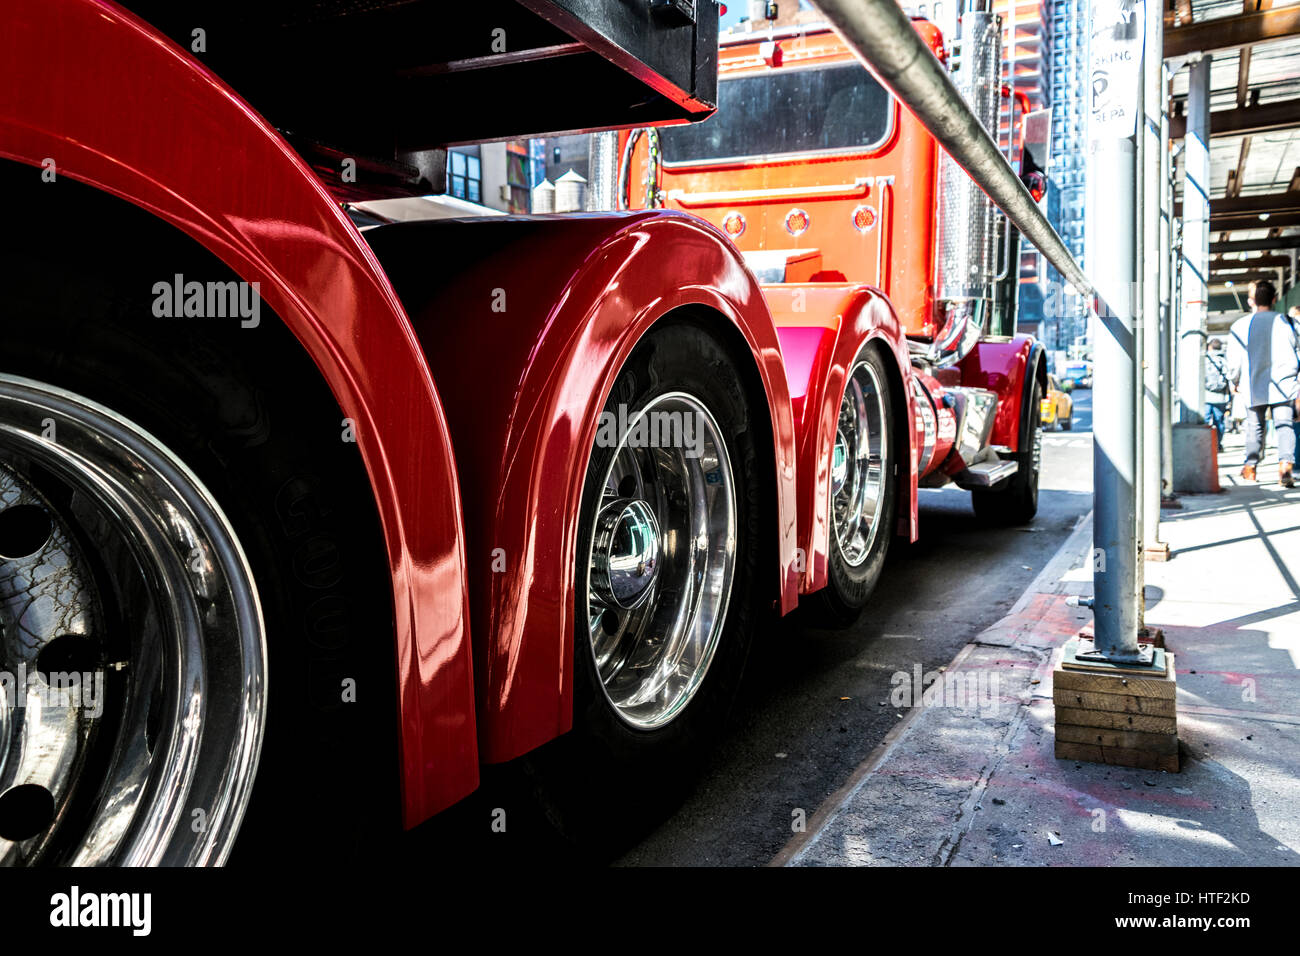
<point>1080,654</point>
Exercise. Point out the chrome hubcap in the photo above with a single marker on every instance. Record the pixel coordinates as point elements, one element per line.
<point>133,657</point>
<point>625,553</point>
<point>662,560</point>
<point>839,462</point>
<point>858,465</point>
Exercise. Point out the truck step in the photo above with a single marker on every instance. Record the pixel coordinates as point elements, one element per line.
<point>985,474</point>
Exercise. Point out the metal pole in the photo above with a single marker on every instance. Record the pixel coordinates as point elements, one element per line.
<point>1196,244</point>
<point>1112,230</point>
<point>1166,293</point>
<point>883,37</point>
<point>1175,303</point>
<point>1153,267</point>
<point>1142,152</point>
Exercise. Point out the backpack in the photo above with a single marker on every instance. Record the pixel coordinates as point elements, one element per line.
<point>1216,379</point>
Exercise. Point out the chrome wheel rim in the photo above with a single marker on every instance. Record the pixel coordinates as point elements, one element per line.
<point>662,559</point>
<point>858,462</point>
<point>1036,452</point>
<point>141,586</point>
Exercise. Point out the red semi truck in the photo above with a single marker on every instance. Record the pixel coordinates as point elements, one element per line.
<point>300,525</point>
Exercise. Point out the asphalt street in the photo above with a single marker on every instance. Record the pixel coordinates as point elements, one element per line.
<point>814,703</point>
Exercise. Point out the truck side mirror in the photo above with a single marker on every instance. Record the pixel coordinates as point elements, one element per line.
<point>1035,143</point>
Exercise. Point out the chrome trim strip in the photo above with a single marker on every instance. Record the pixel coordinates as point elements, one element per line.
<point>853,190</point>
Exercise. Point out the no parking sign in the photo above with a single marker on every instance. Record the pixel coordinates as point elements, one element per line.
<point>1116,66</point>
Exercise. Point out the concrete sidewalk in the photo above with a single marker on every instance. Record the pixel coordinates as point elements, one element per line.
<point>975,782</point>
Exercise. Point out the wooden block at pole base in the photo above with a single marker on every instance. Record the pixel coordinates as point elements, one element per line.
<point>1125,739</point>
<point>1156,685</point>
<point>1125,717</point>
<point>1112,720</point>
<point>1116,756</point>
<point>1115,703</point>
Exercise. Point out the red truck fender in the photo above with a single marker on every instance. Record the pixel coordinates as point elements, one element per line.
<point>1007,366</point>
<point>150,135</point>
<point>526,322</point>
<point>823,328</point>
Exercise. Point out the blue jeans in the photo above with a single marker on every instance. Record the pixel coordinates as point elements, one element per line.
<point>1283,416</point>
<point>1216,413</point>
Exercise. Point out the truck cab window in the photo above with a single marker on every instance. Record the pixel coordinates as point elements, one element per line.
<point>831,109</point>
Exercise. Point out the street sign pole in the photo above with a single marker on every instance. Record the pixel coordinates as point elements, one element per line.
<point>1112,225</point>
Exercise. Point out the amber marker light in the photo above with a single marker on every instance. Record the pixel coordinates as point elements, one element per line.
<point>864,218</point>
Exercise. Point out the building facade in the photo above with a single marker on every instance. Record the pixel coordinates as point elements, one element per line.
<point>497,175</point>
<point>1070,29</point>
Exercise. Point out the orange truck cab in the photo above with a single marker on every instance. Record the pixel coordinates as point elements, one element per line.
<point>840,202</point>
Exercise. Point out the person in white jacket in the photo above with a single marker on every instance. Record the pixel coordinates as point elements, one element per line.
<point>1264,363</point>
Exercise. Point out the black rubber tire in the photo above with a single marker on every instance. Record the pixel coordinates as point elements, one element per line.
<point>1068,424</point>
<point>849,588</point>
<point>1015,502</point>
<point>607,780</point>
<point>246,411</point>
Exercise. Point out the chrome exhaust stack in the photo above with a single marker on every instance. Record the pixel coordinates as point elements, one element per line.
<point>967,240</point>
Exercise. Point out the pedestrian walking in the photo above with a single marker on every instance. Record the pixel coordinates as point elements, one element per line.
<point>1264,363</point>
<point>1218,394</point>
<point>1293,317</point>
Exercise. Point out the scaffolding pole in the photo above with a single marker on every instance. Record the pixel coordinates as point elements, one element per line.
<point>1167,272</point>
<point>1153,265</point>
<point>1196,245</point>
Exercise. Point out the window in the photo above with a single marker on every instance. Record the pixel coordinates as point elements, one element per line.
<point>770,114</point>
<point>464,176</point>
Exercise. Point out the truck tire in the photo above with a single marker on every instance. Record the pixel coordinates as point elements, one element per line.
<point>1016,501</point>
<point>667,591</point>
<point>179,494</point>
<point>864,494</point>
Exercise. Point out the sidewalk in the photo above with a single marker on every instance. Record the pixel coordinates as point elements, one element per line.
<point>979,785</point>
